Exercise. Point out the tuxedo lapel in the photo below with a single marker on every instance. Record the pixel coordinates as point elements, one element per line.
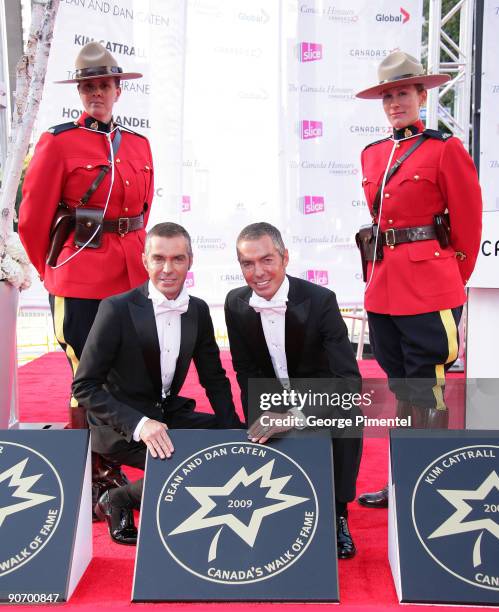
<point>297,313</point>
<point>255,335</point>
<point>142,314</point>
<point>188,335</point>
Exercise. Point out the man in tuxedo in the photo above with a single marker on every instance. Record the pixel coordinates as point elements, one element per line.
<point>284,327</point>
<point>134,364</point>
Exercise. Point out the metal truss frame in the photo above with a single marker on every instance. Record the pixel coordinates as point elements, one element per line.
<point>454,57</point>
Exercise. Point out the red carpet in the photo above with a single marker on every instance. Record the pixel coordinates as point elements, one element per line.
<point>365,581</point>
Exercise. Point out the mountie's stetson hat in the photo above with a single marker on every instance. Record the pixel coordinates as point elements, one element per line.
<point>398,69</point>
<point>95,62</point>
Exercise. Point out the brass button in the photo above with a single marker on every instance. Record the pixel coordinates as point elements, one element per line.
<point>387,195</point>
<point>88,223</point>
<point>437,254</point>
<point>118,160</point>
<point>89,166</point>
<point>127,182</point>
<point>397,146</point>
<point>364,180</point>
<point>125,209</point>
<point>390,221</point>
<point>392,247</point>
<point>416,177</point>
<point>147,168</point>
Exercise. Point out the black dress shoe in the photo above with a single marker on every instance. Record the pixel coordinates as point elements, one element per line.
<point>119,521</point>
<point>378,499</point>
<point>345,545</point>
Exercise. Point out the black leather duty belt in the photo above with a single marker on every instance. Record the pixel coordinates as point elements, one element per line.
<point>123,225</point>
<point>392,237</point>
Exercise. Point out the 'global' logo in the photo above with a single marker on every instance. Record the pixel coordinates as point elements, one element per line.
<point>186,203</point>
<point>390,18</point>
<point>310,129</point>
<point>319,277</point>
<point>309,52</point>
<point>311,204</point>
<point>189,280</point>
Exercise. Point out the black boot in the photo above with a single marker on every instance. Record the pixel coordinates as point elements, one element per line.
<point>379,499</point>
<point>430,418</point>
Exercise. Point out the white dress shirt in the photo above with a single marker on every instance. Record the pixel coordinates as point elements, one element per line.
<point>167,314</point>
<point>273,316</point>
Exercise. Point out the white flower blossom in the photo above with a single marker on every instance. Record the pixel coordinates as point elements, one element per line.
<point>15,249</point>
<point>14,263</point>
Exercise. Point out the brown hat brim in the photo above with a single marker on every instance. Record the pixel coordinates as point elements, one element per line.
<point>122,76</point>
<point>428,80</point>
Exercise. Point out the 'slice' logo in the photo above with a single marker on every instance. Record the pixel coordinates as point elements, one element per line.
<point>319,277</point>
<point>247,513</point>
<point>186,203</point>
<point>189,280</point>
<point>310,129</point>
<point>461,532</point>
<point>309,204</point>
<point>31,502</point>
<point>309,52</point>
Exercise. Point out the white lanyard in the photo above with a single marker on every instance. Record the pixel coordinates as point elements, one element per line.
<point>97,229</point>
<point>383,183</point>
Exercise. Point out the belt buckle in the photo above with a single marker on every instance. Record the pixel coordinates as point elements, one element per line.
<point>390,241</point>
<point>123,221</point>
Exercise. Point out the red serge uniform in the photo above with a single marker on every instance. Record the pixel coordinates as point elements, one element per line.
<point>63,167</point>
<point>420,277</point>
<point>415,296</point>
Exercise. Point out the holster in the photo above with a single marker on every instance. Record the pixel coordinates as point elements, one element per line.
<point>442,229</point>
<point>62,225</point>
<point>366,241</point>
<point>89,226</point>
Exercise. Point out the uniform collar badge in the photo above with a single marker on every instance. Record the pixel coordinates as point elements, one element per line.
<point>93,124</point>
<point>406,132</point>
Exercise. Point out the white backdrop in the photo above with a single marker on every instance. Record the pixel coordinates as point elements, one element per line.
<point>486,272</point>
<point>483,298</point>
<point>265,128</point>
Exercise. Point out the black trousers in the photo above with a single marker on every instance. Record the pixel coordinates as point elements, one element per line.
<point>135,454</point>
<point>415,351</point>
<point>73,319</point>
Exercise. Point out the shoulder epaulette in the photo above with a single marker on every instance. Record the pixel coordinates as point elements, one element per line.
<point>127,129</point>
<point>436,134</point>
<point>62,127</point>
<point>371,144</point>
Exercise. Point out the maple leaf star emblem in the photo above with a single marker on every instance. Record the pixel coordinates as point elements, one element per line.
<point>248,532</point>
<point>22,491</point>
<point>455,525</point>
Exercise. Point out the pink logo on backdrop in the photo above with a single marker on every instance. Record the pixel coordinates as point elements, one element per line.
<point>189,280</point>
<point>319,277</point>
<point>186,203</point>
<point>311,204</point>
<point>310,129</point>
<point>310,52</point>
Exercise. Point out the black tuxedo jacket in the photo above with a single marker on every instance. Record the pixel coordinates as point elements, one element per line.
<point>118,379</point>
<point>316,339</point>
